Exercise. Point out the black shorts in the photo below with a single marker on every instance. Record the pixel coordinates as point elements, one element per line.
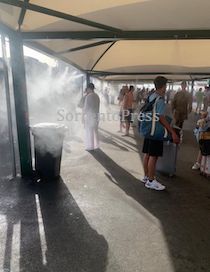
<point>128,117</point>
<point>153,147</point>
<point>121,116</point>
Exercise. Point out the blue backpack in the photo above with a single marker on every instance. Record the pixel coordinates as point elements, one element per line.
<point>150,126</point>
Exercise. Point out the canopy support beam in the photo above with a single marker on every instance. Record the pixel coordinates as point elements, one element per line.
<point>22,15</point>
<point>82,47</point>
<point>102,55</point>
<point>58,14</point>
<point>123,35</point>
<point>106,73</point>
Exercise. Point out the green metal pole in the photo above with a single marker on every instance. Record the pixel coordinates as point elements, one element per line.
<point>87,78</point>
<point>82,78</point>
<point>21,104</point>
<point>8,101</point>
<point>192,87</point>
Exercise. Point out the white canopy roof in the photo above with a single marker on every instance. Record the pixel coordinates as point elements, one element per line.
<point>123,38</point>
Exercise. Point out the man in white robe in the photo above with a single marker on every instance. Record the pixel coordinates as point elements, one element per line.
<point>91,118</point>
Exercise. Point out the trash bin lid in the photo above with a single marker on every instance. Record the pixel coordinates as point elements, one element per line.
<point>48,127</point>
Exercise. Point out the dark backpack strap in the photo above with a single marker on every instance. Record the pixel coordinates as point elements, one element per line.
<point>148,106</point>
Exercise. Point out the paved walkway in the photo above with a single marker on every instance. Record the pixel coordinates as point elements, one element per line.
<point>101,218</point>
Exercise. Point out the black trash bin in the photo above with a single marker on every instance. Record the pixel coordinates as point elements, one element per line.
<point>48,144</point>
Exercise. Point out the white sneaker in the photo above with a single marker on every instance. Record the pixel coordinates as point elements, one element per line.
<point>145,179</point>
<point>155,185</point>
<point>196,166</point>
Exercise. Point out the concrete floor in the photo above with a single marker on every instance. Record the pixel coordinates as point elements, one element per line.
<point>100,217</point>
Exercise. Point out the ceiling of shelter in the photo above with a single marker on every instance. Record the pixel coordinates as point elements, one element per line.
<point>85,9</point>
<point>9,15</point>
<point>39,22</point>
<point>126,15</point>
<point>151,77</point>
<point>174,56</point>
<point>93,55</point>
<point>156,53</point>
<point>60,45</point>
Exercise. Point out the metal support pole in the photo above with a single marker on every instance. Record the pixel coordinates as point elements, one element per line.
<point>21,104</point>
<point>8,101</point>
<point>192,87</point>
<point>82,78</point>
<point>172,86</point>
<point>87,78</point>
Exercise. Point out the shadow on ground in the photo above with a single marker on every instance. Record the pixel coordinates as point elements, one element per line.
<point>108,139</point>
<point>5,160</point>
<point>64,242</point>
<point>183,211</point>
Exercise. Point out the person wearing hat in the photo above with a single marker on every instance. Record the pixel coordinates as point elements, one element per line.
<point>91,118</point>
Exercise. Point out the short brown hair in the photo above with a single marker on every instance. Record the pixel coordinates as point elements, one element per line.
<point>160,82</point>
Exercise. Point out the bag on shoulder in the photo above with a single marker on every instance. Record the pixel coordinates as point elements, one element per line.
<point>148,105</point>
<point>204,135</point>
<point>150,126</point>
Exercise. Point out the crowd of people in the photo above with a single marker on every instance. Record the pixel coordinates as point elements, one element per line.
<point>181,107</point>
<point>130,102</point>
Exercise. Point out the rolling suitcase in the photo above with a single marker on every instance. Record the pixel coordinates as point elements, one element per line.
<point>167,163</point>
<point>205,166</point>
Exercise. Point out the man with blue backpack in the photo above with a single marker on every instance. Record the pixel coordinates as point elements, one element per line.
<point>155,128</point>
